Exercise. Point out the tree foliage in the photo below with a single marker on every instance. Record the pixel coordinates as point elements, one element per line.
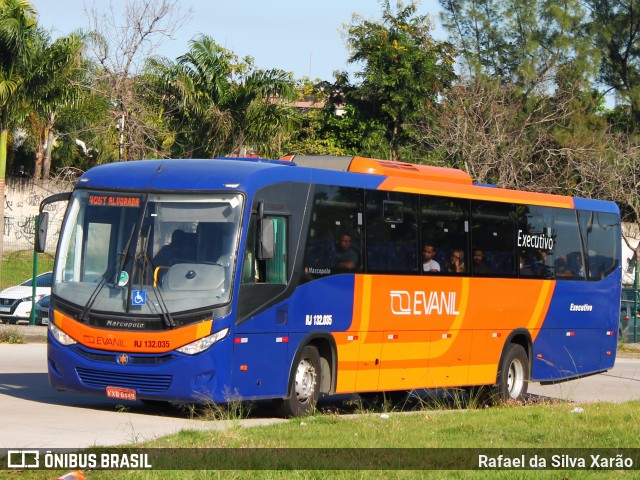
<point>214,103</point>
<point>615,30</point>
<point>57,82</point>
<point>17,30</point>
<point>532,44</point>
<point>404,69</point>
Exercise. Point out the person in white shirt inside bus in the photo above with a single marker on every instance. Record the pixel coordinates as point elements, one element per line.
<point>428,263</point>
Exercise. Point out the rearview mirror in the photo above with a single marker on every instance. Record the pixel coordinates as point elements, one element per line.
<point>266,244</point>
<point>41,234</point>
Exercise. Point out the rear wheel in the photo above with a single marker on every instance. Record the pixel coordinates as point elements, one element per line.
<point>513,374</point>
<point>304,387</point>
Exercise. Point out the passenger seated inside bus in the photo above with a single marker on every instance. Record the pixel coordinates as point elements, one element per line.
<point>429,264</point>
<point>182,249</point>
<point>479,267</point>
<point>456,261</point>
<point>525,265</point>
<point>346,256</point>
<point>562,267</point>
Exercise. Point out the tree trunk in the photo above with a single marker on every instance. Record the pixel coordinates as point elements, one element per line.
<point>39,155</point>
<point>4,134</point>
<point>46,164</point>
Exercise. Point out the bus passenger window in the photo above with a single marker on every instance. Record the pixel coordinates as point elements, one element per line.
<point>602,233</point>
<point>493,233</point>
<point>568,245</point>
<point>334,240</point>
<point>445,223</point>
<point>535,243</point>
<point>392,232</point>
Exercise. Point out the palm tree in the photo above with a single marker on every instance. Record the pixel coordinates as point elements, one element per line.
<point>17,30</point>
<point>216,104</point>
<point>188,92</point>
<point>56,83</point>
<point>260,108</point>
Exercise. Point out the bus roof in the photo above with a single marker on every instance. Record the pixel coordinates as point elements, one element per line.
<point>250,174</point>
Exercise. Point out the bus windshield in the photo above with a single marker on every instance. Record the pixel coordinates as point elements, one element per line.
<point>147,255</point>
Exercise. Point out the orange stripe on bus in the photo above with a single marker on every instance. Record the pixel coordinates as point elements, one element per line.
<point>475,192</point>
<point>131,342</point>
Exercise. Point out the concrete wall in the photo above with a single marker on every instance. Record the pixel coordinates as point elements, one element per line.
<point>21,205</point>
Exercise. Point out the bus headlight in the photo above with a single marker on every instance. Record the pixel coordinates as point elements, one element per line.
<point>204,343</point>
<point>60,336</point>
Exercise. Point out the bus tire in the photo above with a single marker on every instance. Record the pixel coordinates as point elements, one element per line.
<point>513,374</point>
<point>304,386</point>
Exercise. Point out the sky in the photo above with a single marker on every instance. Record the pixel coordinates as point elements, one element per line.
<point>298,36</point>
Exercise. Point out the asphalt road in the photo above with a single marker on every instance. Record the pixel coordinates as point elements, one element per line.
<point>33,415</point>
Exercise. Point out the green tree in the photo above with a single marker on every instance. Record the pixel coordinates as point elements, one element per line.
<point>615,29</point>
<point>187,94</point>
<point>527,43</point>
<point>57,82</point>
<point>333,125</point>
<point>404,70</point>
<point>214,103</point>
<point>17,30</point>
<point>260,107</point>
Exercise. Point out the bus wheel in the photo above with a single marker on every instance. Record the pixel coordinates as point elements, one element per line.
<point>304,389</point>
<point>513,376</point>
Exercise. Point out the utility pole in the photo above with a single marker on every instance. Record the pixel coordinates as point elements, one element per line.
<point>121,137</point>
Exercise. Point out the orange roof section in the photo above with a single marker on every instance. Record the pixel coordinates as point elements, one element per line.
<point>409,170</point>
<point>427,179</point>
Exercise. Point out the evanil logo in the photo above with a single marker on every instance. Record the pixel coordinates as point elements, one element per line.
<point>534,241</point>
<point>419,302</point>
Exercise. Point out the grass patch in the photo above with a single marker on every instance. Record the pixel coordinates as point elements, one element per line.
<point>628,347</point>
<point>233,409</point>
<point>11,335</point>
<point>555,425</point>
<point>17,266</point>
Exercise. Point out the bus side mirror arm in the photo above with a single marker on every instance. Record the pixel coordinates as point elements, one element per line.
<point>43,220</point>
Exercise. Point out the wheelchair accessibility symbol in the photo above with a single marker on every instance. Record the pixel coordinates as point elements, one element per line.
<point>139,297</point>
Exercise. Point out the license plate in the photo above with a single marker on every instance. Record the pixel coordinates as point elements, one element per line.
<point>121,393</point>
<point>5,309</point>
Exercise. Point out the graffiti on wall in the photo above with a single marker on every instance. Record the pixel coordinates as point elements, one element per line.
<point>21,205</point>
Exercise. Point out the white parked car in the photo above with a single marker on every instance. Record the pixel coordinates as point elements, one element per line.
<point>15,302</point>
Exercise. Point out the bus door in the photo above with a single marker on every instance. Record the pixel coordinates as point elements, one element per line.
<point>261,339</point>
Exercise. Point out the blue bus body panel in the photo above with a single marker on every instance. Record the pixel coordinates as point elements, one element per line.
<point>574,339</point>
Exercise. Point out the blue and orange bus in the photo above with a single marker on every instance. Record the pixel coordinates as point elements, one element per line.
<point>206,280</point>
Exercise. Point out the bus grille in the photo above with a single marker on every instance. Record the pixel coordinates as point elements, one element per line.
<point>140,382</point>
<point>133,359</point>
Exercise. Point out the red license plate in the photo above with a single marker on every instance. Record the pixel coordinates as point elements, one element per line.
<point>121,393</point>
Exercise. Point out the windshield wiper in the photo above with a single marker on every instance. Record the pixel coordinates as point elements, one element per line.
<point>135,233</point>
<point>146,268</point>
<point>123,256</point>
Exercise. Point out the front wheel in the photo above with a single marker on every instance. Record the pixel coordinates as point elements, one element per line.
<point>513,375</point>
<point>304,386</point>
